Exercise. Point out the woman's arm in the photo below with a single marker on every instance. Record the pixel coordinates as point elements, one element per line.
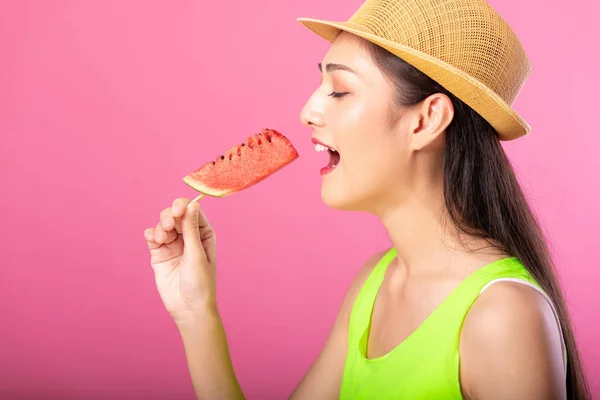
<point>208,357</point>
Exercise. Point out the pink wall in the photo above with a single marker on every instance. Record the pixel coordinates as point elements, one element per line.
<point>106,105</point>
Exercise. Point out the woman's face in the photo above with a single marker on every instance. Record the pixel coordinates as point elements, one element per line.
<point>351,112</point>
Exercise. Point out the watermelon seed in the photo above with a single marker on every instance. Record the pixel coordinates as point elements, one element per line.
<point>222,157</point>
<point>269,138</point>
<point>214,163</point>
<point>243,144</point>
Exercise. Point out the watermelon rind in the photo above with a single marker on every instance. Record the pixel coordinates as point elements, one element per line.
<point>198,186</point>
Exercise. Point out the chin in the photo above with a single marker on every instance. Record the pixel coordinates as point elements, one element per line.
<point>339,199</point>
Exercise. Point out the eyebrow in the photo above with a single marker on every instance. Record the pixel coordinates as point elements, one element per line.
<point>336,67</point>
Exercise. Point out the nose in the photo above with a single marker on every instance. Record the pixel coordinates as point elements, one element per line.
<point>310,116</point>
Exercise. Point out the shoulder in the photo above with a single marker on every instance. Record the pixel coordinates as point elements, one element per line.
<point>510,345</point>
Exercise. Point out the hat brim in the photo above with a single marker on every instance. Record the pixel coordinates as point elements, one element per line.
<point>501,116</point>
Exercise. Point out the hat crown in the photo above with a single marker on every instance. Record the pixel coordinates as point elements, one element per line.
<point>467,34</point>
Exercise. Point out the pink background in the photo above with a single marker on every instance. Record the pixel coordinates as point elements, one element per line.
<point>106,105</point>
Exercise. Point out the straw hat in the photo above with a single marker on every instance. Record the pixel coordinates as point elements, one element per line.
<point>464,45</point>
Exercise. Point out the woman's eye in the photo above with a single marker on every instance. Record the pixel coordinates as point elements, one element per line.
<point>337,94</point>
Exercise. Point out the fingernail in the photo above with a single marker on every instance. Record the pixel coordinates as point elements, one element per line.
<point>166,222</point>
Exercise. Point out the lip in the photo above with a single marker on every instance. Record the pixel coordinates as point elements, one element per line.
<point>317,141</point>
<point>325,170</point>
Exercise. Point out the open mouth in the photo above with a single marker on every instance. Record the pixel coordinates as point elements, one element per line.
<point>334,156</point>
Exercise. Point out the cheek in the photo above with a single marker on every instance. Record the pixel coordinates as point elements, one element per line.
<point>370,159</point>
<point>362,132</point>
<point>355,113</point>
<point>376,163</point>
<point>359,125</point>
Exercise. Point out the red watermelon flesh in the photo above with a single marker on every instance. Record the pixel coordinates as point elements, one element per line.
<point>243,165</point>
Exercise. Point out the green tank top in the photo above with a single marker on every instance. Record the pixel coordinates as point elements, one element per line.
<point>426,364</point>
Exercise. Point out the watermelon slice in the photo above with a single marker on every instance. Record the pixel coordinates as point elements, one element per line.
<point>243,165</point>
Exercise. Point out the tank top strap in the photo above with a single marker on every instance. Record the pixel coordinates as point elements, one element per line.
<point>445,323</point>
<point>363,305</point>
<point>451,313</point>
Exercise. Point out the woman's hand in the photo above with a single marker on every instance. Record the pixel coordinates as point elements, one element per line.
<point>183,255</point>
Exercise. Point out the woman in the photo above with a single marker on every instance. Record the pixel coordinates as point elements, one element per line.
<point>465,304</point>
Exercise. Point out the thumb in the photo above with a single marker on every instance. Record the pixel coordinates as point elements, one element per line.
<point>191,232</point>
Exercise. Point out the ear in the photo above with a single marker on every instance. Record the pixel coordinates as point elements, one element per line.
<point>431,118</point>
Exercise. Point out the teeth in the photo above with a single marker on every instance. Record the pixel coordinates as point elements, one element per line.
<point>320,147</point>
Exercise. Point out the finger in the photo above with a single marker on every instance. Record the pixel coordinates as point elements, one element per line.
<point>171,236</point>
<point>177,210</point>
<point>207,235</point>
<point>191,233</point>
<point>149,235</point>
<point>166,219</point>
<point>179,206</point>
<point>162,237</point>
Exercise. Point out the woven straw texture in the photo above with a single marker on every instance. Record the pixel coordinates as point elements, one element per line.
<point>464,45</point>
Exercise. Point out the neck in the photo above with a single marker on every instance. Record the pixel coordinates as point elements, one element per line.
<point>420,231</point>
<point>426,240</point>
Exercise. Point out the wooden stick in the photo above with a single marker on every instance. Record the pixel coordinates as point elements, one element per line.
<point>199,197</point>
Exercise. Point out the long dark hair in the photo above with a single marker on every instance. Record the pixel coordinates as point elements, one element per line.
<point>482,195</point>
